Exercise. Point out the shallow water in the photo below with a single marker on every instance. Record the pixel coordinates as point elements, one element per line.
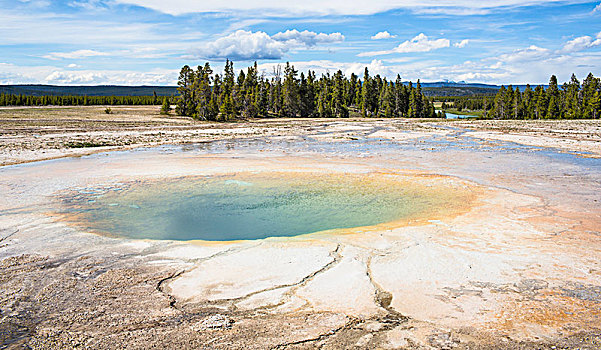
<point>459,116</point>
<point>250,206</point>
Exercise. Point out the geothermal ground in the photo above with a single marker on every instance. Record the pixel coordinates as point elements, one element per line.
<point>513,262</point>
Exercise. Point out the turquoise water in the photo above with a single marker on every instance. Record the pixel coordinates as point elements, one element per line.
<point>247,206</point>
<point>460,116</point>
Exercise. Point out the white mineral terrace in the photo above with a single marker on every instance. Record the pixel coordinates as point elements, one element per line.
<point>520,262</point>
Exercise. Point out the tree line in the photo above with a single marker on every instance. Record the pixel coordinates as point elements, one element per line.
<point>208,96</point>
<point>572,101</point>
<point>468,103</point>
<point>76,100</point>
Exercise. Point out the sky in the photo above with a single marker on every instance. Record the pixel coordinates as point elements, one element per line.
<point>146,42</point>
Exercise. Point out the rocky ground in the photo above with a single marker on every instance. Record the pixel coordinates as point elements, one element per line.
<point>518,267</point>
<point>75,304</point>
<point>570,135</point>
<point>30,134</point>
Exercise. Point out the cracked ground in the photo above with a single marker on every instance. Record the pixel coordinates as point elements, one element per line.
<point>515,266</point>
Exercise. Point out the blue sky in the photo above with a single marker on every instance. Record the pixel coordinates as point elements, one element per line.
<point>134,42</point>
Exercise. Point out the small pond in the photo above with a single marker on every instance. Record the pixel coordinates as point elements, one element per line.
<point>248,206</point>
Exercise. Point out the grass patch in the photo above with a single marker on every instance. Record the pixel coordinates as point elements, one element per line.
<point>438,104</point>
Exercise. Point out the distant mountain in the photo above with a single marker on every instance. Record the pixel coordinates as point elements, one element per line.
<point>443,88</point>
<point>457,90</point>
<point>472,85</point>
<point>101,90</point>
<point>458,84</point>
<point>450,88</point>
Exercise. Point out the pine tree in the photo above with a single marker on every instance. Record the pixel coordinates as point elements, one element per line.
<point>307,95</point>
<point>207,107</point>
<point>518,106</point>
<point>227,108</point>
<point>596,105</point>
<point>389,101</point>
<point>553,98</point>
<point>572,98</point>
<point>323,108</point>
<point>499,109</point>
<point>290,91</point>
<point>277,101</point>
<point>365,94</point>
<point>185,82</point>
<point>378,87</point>
<point>528,101</point>
<point>553,108</point>
<point>338,100</point>
<point>418,100</point>
<point>508,103</point>
<point>590,86</point>
<point>166,107</point>
<point>250,108</point>
<point>311,93</point>
<point>411,101</point>
<point>541,102</point>
<point>353,86</point>
<point>263,98</point>
<point>400,104</point>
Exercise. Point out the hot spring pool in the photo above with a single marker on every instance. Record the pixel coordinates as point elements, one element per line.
<point>249,206</point>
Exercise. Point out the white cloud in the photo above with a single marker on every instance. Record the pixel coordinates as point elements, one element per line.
<point>141,52</point>
<point>531,64</point>
<point>452,11</point>
<point>74,78</point>
<point>36,3</point>
<point>245,45</point>
<point>307,38</point>
<point>333,7</point>
<point>74,54</point>
<point>462,43</point>
<point>400,59</point>
<point>529,54</point>
<point>73,65</point>
<point>420,43</point>
<point>582,43</point>
<point>90,5</point>
<point>94,77</point>
<point>513,67</point>
<point>382,35</point>
<point>23,28</point>
<point>15,74</point>
<point>597,8</point>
